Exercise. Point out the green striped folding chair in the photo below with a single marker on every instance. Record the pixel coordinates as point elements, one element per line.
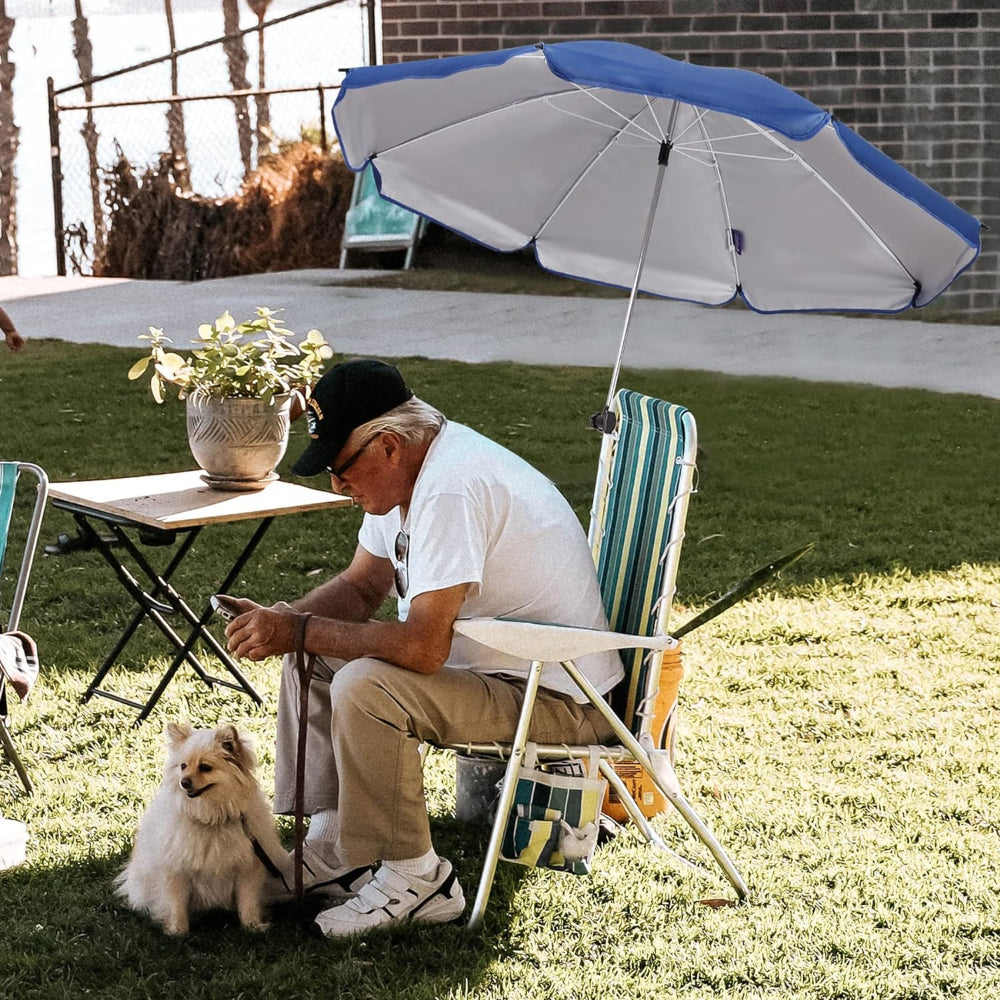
<point>644,482</point>
<point>9,472</point>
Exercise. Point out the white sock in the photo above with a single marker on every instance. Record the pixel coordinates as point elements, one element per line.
<point>423,866</point>
<point>324,828</point>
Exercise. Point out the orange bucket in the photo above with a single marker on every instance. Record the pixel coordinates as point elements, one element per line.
<point>637,781</point>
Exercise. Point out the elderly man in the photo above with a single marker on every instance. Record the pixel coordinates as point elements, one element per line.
<point>455,525</point>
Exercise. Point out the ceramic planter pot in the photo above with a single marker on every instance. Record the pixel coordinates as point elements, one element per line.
<point>238,442</point>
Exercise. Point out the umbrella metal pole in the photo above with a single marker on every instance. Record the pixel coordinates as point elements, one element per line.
<point>601,421</point>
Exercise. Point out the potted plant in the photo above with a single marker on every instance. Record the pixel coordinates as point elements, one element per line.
<point>241,383</point>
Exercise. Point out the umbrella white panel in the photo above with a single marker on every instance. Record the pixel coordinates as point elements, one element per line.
<point>688,254</point>
<point>803,249</point>
<point>931,251</point>
<point>598,232</point>
<point>445,172</point>
<point>397,111</point>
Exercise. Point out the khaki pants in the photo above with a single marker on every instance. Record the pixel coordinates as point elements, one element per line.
<point>367,719</point>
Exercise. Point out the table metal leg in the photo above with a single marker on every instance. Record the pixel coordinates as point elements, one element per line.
<point>149,606</point>
<point>199,630</point>
<point>164,599</point>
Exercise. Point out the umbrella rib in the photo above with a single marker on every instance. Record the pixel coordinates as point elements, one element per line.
<point>652,114</point>
<point>586,170</point>
<point>843,201</point>
<point>548,98</point>
<point>714,164</point>
<point>699,121</point>
<point>591,92</point>
<point>694,123</point>
<point>470,118</point>
<point>691,151</point>
<point>692,147</point>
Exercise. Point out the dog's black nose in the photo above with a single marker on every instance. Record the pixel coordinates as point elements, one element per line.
<point>185,782</point>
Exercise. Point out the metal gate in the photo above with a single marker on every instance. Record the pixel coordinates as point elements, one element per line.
<point>212,140</point>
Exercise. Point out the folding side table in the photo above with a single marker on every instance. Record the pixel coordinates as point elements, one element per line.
<point>171,510</point>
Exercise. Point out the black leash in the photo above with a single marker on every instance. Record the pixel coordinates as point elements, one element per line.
<point>304,666</point>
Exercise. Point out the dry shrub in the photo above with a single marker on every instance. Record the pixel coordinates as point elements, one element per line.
<point>288,214</point>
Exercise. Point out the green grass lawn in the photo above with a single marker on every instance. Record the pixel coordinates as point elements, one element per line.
<point>838,731</point>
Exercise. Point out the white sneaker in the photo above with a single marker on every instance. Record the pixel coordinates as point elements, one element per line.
<point>319,879</point>
<point>391,896</point>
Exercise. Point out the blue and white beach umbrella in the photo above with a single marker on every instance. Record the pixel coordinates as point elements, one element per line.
<point>623,166</point>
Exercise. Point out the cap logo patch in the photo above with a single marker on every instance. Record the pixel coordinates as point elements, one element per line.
<point>314,414</point>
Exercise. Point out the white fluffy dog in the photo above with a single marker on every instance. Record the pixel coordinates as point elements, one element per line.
<point>197,843</point>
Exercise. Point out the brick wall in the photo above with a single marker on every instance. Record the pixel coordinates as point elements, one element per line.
<point>918,78</point>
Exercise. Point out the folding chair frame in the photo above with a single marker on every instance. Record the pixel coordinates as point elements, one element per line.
<point>637,746</point>
<point>17,604</point>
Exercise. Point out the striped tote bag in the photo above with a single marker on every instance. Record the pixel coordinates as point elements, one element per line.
<point>555,818</point>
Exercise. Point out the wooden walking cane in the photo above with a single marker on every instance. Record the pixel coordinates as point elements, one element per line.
<point>304,667</point>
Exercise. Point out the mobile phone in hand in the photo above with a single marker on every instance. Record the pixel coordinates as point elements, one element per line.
<point>225,606</point>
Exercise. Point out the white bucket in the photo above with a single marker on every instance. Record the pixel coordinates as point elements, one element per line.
<point>13,839</point>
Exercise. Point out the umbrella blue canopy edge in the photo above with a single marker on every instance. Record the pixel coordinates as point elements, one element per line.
<point>631,69</point>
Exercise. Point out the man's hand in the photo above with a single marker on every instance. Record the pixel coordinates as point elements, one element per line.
<point>421,643</point>
<point>259,632</point>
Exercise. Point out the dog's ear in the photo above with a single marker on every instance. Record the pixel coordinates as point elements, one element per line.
<point>178,732</point>
<point>227,737</point>
<point>237,746</point>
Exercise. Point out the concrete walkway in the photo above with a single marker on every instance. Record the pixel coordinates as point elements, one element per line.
<point>529,328</point>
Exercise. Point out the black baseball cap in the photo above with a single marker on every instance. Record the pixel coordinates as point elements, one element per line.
<point>347,396</point>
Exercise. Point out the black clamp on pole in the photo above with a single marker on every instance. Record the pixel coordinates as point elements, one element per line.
<point>604,421</point>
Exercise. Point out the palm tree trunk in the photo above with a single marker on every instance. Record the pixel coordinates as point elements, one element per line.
<point>236,54</point>
<point>8,150</point>
<point>175,113</point>
<point>259,7</point>
<point>85,63</point>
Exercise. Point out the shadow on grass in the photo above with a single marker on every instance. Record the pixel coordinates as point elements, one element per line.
<point>881,480</point>
<point>64,933</point>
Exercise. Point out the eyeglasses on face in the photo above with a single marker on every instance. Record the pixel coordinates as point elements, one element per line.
<point>401,550</point>
<point>338,471</point>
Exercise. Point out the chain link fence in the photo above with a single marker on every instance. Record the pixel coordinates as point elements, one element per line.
<point>209,136</point>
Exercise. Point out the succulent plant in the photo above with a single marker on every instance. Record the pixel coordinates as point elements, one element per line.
<point>255,359</point>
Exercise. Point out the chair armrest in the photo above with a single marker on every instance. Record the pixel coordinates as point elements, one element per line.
<point>552,643</point>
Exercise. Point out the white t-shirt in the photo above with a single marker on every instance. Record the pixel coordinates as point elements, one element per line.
<point>481,515</point>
